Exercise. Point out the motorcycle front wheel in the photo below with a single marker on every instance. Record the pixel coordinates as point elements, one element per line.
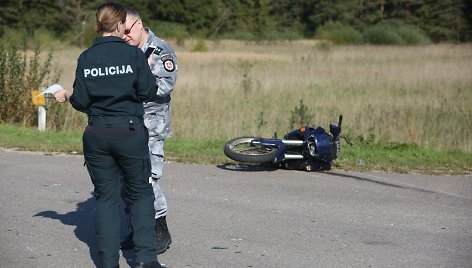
<point>241,150</point>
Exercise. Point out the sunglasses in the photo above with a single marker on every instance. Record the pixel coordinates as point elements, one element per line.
<point>127,31</point>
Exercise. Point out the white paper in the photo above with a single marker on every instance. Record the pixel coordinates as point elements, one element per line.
<point>52,89</point>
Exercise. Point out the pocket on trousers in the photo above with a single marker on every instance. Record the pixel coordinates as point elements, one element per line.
<point>90,171</point>
<point>157,148</point>
<point>155,123</point>
<point>150,120</point>
<point>147,168</point>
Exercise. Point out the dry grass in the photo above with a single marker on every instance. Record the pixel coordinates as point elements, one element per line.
<point>417,95</point>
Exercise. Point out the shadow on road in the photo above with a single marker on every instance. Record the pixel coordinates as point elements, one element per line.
<point>247,167</point>
<point>83,218</point>
<point>379,182</point>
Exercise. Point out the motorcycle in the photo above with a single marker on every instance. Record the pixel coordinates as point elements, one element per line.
<point>306,148</point>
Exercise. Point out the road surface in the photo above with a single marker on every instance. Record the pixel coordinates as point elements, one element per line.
<point>227,216</point>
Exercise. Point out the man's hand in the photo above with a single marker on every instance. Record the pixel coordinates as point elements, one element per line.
<point>150,59</point>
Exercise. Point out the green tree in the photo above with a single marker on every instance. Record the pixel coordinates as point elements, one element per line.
<point>9,14</point>
<point>406,10</point>
<point>444,20</point>
<point>57,16</point>
<point>468,17</point>
<point>290,14</point>
<point>247,15</point>
<point>198,15</point>
<point>334,10</point>
<point>258,18</point>
<point>368,13</point>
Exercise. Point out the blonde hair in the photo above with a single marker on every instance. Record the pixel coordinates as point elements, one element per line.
<point>108,16</point>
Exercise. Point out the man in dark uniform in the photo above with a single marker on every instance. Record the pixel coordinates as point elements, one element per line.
<point>112,81</point>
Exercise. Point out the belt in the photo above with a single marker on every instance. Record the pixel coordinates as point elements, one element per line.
<point>115,121</point>
<point>160,100</point>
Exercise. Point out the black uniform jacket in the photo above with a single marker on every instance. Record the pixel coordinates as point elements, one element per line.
<point>112,79</point>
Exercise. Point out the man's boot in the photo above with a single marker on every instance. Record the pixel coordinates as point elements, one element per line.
<point>163,236</point>
<point>149,265</point>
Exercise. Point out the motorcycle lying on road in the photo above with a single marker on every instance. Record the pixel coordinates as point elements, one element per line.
<point>306,148</point>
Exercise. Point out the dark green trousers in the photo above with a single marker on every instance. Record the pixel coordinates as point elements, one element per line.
<point>109,154</point>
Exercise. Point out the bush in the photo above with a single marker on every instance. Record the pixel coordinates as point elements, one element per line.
<point>82,35</point>
<point>88,34</point>
<point>324,45</point>
<point>170,30</point>
<point>200,46</point>
<point>238,35</point>
<point>44,37</point>
<point>19,74</point>
<point>15,36</point>
<point>300,115</point>
<point>412,35</point>
<point>394,33</point>
<point>282,34</point>
<point>381,35</point>
<point>339,33</point>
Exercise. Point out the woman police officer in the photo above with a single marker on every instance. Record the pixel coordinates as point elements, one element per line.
<point>112,81</point>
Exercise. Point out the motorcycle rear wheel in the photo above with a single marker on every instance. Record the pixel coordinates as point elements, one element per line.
<point>240,149</point>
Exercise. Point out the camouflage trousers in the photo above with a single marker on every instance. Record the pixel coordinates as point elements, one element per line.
<point>156,152</point>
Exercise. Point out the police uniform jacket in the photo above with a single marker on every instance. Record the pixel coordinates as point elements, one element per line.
<point>164,66</point>
<point>112,79</point>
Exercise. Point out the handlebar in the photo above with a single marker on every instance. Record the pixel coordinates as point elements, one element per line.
<point>336,129</point>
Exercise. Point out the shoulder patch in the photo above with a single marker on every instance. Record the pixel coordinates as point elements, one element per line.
<point>168,62</point>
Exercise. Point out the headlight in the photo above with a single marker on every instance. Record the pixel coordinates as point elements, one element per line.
<point>311,146</point>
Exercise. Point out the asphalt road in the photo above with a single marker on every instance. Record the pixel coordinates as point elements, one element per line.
<point>226,216</point>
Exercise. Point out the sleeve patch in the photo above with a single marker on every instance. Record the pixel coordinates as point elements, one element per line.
<point>168,63</point>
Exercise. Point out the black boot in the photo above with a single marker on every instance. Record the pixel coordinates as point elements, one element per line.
<point>163,236</point>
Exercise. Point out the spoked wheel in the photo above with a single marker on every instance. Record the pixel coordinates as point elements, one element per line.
<point>240,149</point>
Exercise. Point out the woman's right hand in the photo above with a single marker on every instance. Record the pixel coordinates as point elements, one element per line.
<point>61,96</point>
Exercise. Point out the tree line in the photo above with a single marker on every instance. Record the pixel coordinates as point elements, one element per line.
<point>439,20</point>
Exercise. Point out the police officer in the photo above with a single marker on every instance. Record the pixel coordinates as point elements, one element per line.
<point>164,66</point>
<point>112,80</point>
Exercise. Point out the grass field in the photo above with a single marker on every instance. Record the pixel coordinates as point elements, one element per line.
<point>362,156</point>
<point>420,95</point>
